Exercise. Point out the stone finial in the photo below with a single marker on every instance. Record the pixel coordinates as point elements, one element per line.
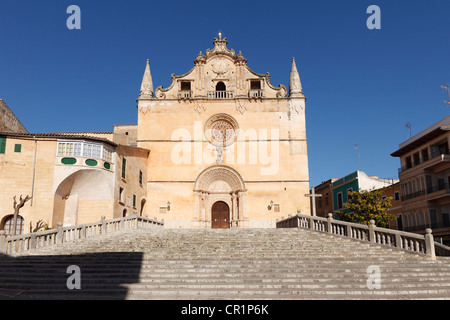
<point>147,83</point>
<point>295,86</point>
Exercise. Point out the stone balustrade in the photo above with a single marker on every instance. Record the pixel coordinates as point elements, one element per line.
<point>16,244</point>
<point>412,242</point>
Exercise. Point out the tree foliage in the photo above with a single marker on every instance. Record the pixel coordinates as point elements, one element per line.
<point>364,206</point>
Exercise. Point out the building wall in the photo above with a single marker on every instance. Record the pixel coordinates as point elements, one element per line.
<point>276,171</point>
<point>8,121</point>
<point>81,191</point>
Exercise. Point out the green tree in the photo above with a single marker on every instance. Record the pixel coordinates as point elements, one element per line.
<point>364,206</point>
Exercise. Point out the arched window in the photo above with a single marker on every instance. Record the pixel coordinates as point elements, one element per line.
<point>9,225</point>
<point>220,86</point>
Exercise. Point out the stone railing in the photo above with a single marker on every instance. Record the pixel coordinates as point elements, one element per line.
<point>411,242</point>
<point>220,94</point>
<point>11,245</point>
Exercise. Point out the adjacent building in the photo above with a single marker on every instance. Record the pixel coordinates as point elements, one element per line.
<point>425,179</point>
<point>356,181</point>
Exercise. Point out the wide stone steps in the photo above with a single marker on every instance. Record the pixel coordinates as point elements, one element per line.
<point>223,264</point>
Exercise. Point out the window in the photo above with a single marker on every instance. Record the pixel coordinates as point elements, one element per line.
<point>9,225</point>
<point>124,166</point>
<point>83,149</point>
<point>349,197</point>
<point>107,154</point>
<point>339,200</point>
<point>255,84</point>
<point>2,145</point>
<point>120,194</point>
<point>220,86</point>
<point>276,208</point>
<point>17,148</point>
<point>185,85</point>
<point>396,196</point>
<point>140,177</point>
<point>134,201</point>
<point>424,154</point>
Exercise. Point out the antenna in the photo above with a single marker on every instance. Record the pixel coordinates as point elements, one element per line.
<point>408,125</point>
<point>359,157</point>
<point>446,88</point>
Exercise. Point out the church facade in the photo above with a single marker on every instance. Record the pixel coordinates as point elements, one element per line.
<point>221,147</point>
<point>227,148</point>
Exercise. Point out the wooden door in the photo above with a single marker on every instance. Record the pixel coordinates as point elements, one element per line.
<point>220,213</point>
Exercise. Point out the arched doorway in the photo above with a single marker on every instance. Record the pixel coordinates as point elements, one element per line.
<point>219,184</point>
<point>220,215</point>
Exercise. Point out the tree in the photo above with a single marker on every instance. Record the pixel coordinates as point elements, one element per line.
<point>17,207</point>
<point>367,205</point>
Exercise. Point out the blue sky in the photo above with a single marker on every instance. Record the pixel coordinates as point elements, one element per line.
<point>362,86</point>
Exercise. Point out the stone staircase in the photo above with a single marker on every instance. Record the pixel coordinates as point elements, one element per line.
<point>223,264</point>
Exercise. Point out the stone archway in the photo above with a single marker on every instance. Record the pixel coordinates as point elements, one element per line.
<point>219,184</point>
<point>78,197</point>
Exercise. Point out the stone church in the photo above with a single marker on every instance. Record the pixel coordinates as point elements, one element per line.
<point>227,148</point>
<point>221,147</point>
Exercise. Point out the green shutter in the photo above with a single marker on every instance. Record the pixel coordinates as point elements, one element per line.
<point>124,165</point>
<point>68,160</point>
<point>91,162</point>
<point>17,148</point>
<point>2,145</point>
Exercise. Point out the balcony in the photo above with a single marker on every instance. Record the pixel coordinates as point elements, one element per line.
<point>256,93</point>
<point>185,94</point>
<point>220,94</point>
<point>434,155</point>
<point>431,192</point>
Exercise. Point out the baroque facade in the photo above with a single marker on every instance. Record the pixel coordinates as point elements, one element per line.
<point>220,147</point>
<point>223,137</point>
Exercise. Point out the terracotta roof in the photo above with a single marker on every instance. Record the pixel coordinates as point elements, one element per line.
<point>78,135</point>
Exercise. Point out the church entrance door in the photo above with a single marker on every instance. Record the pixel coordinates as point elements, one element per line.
<point>220,215</point>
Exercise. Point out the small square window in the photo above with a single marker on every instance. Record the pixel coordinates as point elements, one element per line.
<point>276,208</point>
<point>17,148</point>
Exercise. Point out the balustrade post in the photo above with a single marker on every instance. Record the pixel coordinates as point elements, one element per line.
<point>3,241</point>
<point>311,223</point>
<point>349,230</point>
<point>329,219</point>
<point>372,231</point>
<point>429,244</point>
<point>59,233</point>
<point>398,240</point>
<point>83,232</point>
<point>32,244</point>
<point>103,225</point>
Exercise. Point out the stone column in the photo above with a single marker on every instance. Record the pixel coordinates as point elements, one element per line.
<point>234,210</point>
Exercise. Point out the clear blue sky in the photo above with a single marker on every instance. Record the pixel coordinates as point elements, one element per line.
<point>362,85</point>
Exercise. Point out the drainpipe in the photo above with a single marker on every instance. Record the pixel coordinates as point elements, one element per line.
<point>34,171</point>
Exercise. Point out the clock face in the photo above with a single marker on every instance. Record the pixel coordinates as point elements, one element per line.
<point>220,66</point>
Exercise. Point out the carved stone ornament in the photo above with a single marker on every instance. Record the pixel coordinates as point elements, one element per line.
<point>221,130</point>
<point>199,108</point>
<point>240,107</point>
<point>220,66</point>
